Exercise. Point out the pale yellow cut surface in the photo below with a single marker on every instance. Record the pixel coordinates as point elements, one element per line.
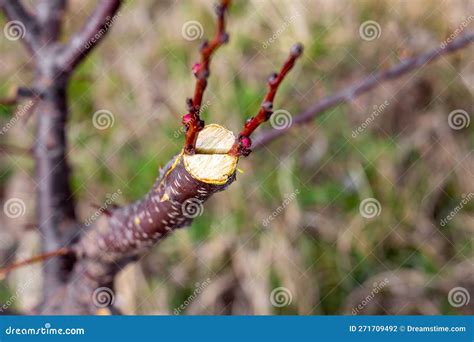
<point>211,164</point>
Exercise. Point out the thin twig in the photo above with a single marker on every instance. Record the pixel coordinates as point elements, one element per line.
<point>11,149</point>
<point>243,143</point>
<point>192,120</point>
<point>350,93</point>
<point>4,271</point>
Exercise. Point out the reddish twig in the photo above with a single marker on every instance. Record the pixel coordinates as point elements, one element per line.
<point>192,120</point>
<point>62,251</point>
<point>365,85</point>
<point>11,149</point>
<point>243,143</point>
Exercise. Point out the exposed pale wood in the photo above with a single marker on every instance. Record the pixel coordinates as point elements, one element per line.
<point>212,164</point>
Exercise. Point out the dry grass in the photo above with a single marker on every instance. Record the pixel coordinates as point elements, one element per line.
<point>318,246</point>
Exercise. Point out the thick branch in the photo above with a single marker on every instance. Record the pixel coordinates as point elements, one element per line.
<point>50,14</point>
<point>125,233</point>
<point>27,26</point>
<point>243,143</point>
<point>365,85</point>
<point>201,71</point>
<point>87,38</point>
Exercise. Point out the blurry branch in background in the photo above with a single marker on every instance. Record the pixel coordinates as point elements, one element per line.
<point>50,14</point>
<point>365,85</point>
<point>91,33</point>
<point>192,120</point>
<point>20,151</point>
<point>27,24</point>
<point>39,258</point>
<point>243,143</point>
<point>53,62</point>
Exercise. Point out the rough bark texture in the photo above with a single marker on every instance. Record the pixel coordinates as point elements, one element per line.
<point>126,233</point>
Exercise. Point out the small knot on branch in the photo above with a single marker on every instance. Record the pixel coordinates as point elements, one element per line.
<point>273,78</point>
<point>224,38</point>
<point>296,50</point>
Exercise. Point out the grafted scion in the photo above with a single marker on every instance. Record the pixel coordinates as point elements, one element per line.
<point>192,120</point>
<point>243,143</point>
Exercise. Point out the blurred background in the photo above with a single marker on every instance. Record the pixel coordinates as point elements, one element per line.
<point>369,209</point>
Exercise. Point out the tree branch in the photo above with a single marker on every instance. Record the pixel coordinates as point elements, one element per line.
<point>201,71</point>
<point>50,14</point>
<point>365,85</point>
<point>87,38</point>
<point>23,24</point>
<point>123,234</point>
<point>243,143</point>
